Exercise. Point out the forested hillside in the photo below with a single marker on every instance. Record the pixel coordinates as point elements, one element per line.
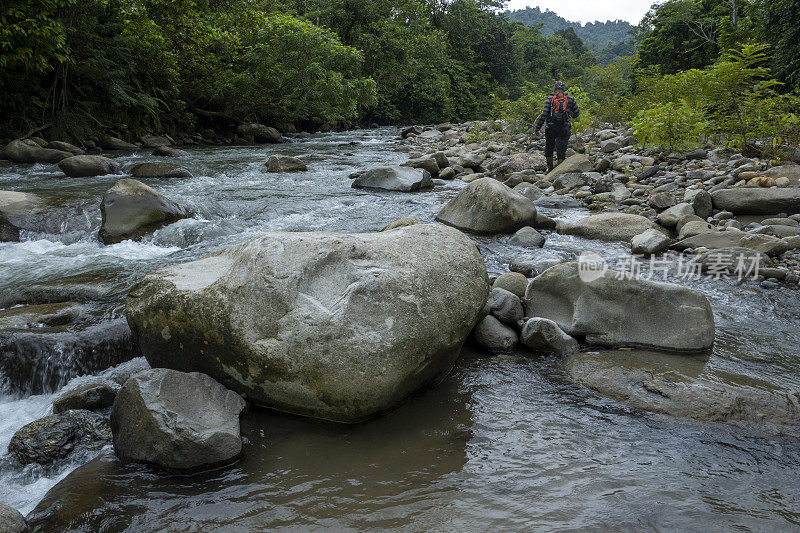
<point>129,67</point>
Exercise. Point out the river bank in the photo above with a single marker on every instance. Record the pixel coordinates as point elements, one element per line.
<point>490,416</point>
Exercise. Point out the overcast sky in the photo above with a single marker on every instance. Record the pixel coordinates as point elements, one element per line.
<point>589,10</point>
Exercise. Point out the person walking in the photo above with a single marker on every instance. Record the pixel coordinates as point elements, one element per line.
<point>559,110</point>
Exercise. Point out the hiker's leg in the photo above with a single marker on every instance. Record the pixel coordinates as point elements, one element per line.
<point>562,141</point>
<point>549,146</point>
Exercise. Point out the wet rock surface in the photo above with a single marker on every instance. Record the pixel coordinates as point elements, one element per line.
<point>56,436</point>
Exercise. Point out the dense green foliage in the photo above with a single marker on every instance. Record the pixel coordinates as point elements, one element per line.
<point>127,67</point>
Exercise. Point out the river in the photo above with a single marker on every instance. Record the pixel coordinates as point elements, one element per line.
<point>504,442</point>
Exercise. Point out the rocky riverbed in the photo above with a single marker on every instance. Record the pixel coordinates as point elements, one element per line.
<point>558,371</point>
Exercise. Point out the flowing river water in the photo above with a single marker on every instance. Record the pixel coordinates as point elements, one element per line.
<point>504,442</point>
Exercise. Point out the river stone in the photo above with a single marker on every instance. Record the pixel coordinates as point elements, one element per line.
<point>488,206</point>
<point>544,335</point>
<point>176,420</point>
<point>113,143</point>
<point>93,395</point>
<point>696,227</point>
<point>427,163</point>
<point>557,201</point>
<point>650,242</point>
<point>767,244</point>
<point>571,180</point>
<point>661,200</point>
<point>81,166</point>
<point>64,147</point>
<point>494,335</point>
<point>18,211</point>
<point>573,164</point>
<point>394,178</point>
<point>527,237</point>
<point>285,163</point>
<point>711,240</point>
<point>503,167</point>
<point>757,201</point>
<point>529,190</point>
<point>159,170</point>
<point>131,210</point>
<point>401,223</point>
<point>505,306</point>
<point>735,261</point>
<point>332,326</point>
<point>11,521</point>
<point>672,215</point>
<point>56,436</point>
<point>259,133</point>
<point>610,309</point>
<point>27,151</point>
<point>513,282</point>
<point>702,204</point>
<point>678,385</point>
<point>609,227</point>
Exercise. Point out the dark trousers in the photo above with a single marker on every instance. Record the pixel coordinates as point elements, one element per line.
<point>558,139</point>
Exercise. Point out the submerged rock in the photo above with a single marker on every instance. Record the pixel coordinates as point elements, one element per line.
<point>81,166</point>
<point>488,206</point>
<point>679,385</point>
<point>610,309</point>
<point>177,421</point>
<point>333,326</point>
<point>285,163</point>
<point>56,436</point>
<point>131,210</point>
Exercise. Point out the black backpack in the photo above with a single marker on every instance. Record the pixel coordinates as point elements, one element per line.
<point>558,110</point>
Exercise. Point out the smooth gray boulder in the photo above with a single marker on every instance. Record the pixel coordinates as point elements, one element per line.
<point>159,170</point>
<point>710,240</point>
<point>176,420</point>
<point>495,336</point>
<point>11,521</point>
<point>702,203</point>
<point>527,237</point>
<point>114,143</point>
<point>609,227</point>
<point>610,309</point>
<point>285,163</point>
<point>259,133</point>
<point>27,151</point>
<point>130,210</point>
<point>18,211</point>
<point>505,306</point>
<point>513,282</point>
<point>427,163</point>
<point>767,244</point>
<point>503,167</point>
<point>544,335</point>
<point>64,147</point>
<point>56,436</point>
<point>394,178</point>
<point>757,201</point>
<point>327,325</point>
<point>529,190</point>
<point>82,166</point>
<point>573,164</point>
<point>672,215</point>
<point>650,242</point>
<point>488,206</point>
<point>168,151</point>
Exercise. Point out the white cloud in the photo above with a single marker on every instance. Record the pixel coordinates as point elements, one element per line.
<point>589,10</point>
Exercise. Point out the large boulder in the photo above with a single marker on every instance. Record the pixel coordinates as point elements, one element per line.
<point>609,227</point>
<point>503,167</point>
<point>159,170</point>
<point>650,242</point>
<point>114,143</point>
<point>427,163</point>
<point>56,436</point>
<point>19,210</point>
<point>131,209</point>
<point>168,151</point>
<point>285,163</point>
<point>573,164</point>
<point>11,521</point>
<point>612,309</point>
<point>332,326</point>
<point>259,133</point>
<point>81,166</point>
<point>176,420</point>
<point>710,240</point>
<point>27,151</point>
<point>757,201</point>
<point>488,206</point>
<point>394,178</point>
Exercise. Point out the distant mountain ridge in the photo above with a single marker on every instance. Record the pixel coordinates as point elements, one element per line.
<point>607,40</point>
